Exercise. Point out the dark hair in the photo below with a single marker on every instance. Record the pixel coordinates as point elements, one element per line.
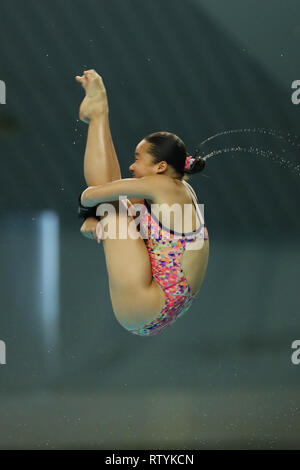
<point>168,147</point>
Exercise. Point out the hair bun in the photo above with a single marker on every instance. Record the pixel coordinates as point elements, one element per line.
<point>195,164</point>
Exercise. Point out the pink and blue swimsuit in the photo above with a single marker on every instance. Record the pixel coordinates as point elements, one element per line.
<point>166,252</point>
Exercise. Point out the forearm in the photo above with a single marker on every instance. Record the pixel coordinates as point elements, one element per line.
<point>148,187</point>
<point>100,159</point>
<point>95,195</point>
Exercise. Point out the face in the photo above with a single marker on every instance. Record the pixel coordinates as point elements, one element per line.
<point>143,165</point>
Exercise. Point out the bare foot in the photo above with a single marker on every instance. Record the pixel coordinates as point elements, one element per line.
<point>95,103</point>
<point>89,229</point>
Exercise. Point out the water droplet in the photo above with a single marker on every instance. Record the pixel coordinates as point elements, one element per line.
<point>273,156</point>
<point>289,138</point>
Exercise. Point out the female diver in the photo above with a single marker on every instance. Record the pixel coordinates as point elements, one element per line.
<point>152,281</point>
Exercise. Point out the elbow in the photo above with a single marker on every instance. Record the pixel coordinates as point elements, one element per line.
<point>86,198</point>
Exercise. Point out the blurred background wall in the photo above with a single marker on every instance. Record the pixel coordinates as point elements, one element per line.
<point>222,376</point>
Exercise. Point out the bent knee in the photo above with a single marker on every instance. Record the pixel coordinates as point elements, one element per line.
<point>130,319</point>
<point>134,309</point>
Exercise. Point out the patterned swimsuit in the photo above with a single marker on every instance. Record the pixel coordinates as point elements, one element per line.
<point>166,252</point>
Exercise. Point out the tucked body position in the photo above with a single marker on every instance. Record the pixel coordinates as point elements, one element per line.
<point>156,272</point>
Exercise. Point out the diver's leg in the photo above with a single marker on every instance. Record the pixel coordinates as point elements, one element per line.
<point>100,160</point>
<point>101,164</point>
<point>136,297</point>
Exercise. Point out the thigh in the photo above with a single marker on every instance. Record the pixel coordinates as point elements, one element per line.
<point>127,259</point>
<point>135,295</point>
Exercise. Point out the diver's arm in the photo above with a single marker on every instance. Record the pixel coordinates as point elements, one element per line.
<point>147,187</point>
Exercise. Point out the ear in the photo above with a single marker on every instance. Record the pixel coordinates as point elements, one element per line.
<point>162,166</point>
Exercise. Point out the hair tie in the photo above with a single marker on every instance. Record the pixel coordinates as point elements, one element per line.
<point>189,162</point>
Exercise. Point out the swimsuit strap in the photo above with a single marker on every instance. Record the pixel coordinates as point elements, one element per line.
<point>193,195</point>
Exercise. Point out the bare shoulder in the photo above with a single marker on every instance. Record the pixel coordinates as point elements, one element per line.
<point>157,180</point>
<point>162,187</point>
